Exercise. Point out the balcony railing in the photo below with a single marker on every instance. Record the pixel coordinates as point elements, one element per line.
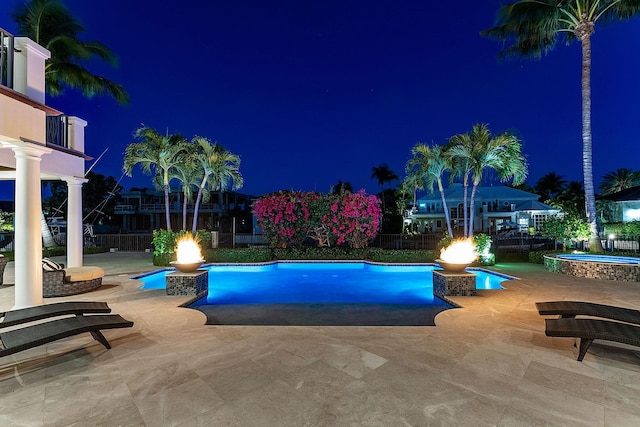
<point>58,130</point>
<point>6,59</point>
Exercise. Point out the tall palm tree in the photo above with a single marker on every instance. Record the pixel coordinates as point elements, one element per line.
<point>157,155</point>
<point>221,171</point>
<point>479,150</point>
<point>619,180</point>
<point>550,185</point>
<point>428,165</point>
<point>189,174</point>
<point>384,175</point>
<point>50,24</point>
<point>533,28</point>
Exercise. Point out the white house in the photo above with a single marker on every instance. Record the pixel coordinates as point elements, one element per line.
<point>495,209</point>
<point>37,143</point>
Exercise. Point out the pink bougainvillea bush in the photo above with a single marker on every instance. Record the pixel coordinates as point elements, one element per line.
<point>346,218</point>
<point>354,218</point>
<point>283,217</point>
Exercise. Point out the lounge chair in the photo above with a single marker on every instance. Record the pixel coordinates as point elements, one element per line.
<point>23,338</point>
<point>571,309</point>
<point>30,314</point>
<point>588,330</point>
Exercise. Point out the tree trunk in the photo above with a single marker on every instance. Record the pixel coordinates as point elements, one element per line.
<point>195,210</point>
<point>584,32</point>
<point>446,209</point>
<point>464,204</point>
<point>184,210</point>
<point>166,206</point>
<point>472,213</point>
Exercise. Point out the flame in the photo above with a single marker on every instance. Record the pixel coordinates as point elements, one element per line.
<point>459,252</point>
<point>188,250</point>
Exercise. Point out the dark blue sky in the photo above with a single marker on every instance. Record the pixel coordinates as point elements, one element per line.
<point>309,93</point>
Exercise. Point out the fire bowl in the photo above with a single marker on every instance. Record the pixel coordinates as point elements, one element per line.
<point>187,267</point>
<point>452,267</point>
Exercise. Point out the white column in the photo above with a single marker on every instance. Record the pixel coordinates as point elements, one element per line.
<point>76,133</point>
<point>29,72</point>
<point>74,221</point>
<point>28,234</point>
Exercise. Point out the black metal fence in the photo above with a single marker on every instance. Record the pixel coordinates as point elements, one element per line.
<point>125,242</point>
<point>58,130</point>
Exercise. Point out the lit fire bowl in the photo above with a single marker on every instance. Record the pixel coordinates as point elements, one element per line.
<point>187,267</point>
<point>452,267</point>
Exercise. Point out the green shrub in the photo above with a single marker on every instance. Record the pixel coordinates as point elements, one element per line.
<point>403,256</point>
<point>164,242</point>
<point>319,253</point>
<point>239,255</point>
<point>163,260</point>
<point>537,257</point>
<point>631,228</point>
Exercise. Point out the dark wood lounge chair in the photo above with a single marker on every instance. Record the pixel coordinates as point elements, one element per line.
<point>571,309</point>
<point>35,335</point>
<point>30,314</point>
<point>588,330</point>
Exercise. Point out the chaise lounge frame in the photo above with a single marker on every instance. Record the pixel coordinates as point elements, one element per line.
<point>26,337</point>
<point>571,309</point>
<point>588,330</point>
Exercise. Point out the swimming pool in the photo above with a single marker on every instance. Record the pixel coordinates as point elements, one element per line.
<point>600,258</point>
<point>322,282</point>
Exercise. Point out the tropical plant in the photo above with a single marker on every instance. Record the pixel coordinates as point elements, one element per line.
<point>478,150</point>
<point>189,175</point>
<point>287,218</point>
<point>340,186</point>
<point>50,24</point>
<point>354,218</point>
<point>550,185</point>
<point>619,180</point>
<point>157,155</point>
<point>567,227</point>
<point>283,217</point>
<point>225,168</point>
<point>383,174</point>
<point>534,27</point>
<point>219,168</point>
<point>571,199</point>
<point>426,169</point>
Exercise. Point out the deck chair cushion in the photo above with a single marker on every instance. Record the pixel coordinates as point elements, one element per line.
<point>50,265</point>
<point>81,274</point>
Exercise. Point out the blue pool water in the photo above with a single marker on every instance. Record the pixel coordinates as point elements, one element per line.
<point>600,258</point>
<point>322,282</point>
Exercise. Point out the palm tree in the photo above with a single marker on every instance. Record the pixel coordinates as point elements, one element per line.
<point>428,165</point>
<point>50,24</point>
<point>571,199</point>
<point>550,185</point>
<point>619,180</point>
<point>340,187</point>
<point>479,150</point>
<point>156,155</point>
<point>384,175</point>
<point>221,171</point>
<point>533,28</point>
<point>189,174</point>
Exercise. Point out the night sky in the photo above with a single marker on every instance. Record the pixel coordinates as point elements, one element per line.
<point>310,92</point>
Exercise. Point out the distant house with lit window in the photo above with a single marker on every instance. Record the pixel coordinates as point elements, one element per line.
<point>495,209</point>
<point>141,210</point>
<point>625,205</point>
